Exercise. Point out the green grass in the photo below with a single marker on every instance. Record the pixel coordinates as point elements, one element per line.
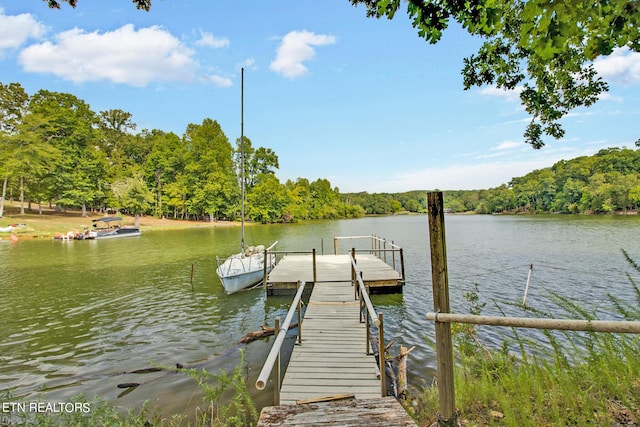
<point>584,379</point>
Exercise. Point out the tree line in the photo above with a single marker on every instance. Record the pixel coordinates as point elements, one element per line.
<point>606,182</point>
<point>56,151</point>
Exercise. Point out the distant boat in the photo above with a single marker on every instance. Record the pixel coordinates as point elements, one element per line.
<point>246,268</point>
<point>110,227</point>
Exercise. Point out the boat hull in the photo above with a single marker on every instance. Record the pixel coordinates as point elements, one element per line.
<point>242,271</point>
<point>120,232</point>
<point>242,280</point>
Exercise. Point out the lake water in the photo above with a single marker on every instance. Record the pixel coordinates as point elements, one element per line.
<point>77,316</point>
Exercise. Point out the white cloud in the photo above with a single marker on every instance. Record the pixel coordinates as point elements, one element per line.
<point>219,81</point>
<point>463,176</point>
<point>125,55</point>
<point>209,40</point>
<point>509,95</point>
<point>249,64</point>
<point>622,66</point>
<point>507,145</point>
<point>297,47</point>
<point>472,176</point>
<point>16,30</point>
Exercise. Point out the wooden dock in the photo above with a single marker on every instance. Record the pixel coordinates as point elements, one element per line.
<point>376,274</point>
<point>332,379</point>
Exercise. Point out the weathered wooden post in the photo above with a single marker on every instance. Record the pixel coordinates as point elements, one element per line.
<point>265,270</point>
<point>393,255</point>
<point>315,273</point>
<point>299,314</point>
<point>382,356</point>
<point>192,277</point>
<point>440,280</point>
<point>353,278</point>
<point>402,265</point>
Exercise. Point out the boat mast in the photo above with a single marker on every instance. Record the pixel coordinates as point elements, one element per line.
<point>242,154</point>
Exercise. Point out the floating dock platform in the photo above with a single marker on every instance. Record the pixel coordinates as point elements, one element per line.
<point>378,276</point>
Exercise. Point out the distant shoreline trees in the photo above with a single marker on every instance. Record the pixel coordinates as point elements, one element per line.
<point>606,182</point>
<point>55,150</point>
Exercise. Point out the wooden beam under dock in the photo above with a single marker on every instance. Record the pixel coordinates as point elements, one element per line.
<point>378,412</point>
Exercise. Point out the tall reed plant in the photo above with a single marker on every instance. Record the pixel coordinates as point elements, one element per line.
<point>574,379</point>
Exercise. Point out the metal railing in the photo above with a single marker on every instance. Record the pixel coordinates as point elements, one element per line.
<point>360,293</point>
<point>275,254</point>
<point>273,359</point>
<point>389,252</point>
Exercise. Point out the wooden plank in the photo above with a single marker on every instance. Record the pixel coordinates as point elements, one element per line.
<point>325,399</point>
<point>372,412</point>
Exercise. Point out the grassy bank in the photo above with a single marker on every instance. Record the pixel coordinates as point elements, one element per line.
<point>586,379</point>
<point>50,222</point>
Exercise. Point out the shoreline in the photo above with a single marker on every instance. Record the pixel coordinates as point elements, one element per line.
<point>44,226</point>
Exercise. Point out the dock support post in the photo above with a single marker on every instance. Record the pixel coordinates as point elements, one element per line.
<point>315,271</point>
<point>276,368</point>
<point>385,250</point>
<point>402,265</point>
<point>265,263</point>
<point>440,281</point>
<point>381,357</point>
<point>353,279</point>
<point>299,315</point>
<point>393,256</point>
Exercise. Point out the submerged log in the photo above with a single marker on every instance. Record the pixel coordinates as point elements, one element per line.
<point>264,331</point>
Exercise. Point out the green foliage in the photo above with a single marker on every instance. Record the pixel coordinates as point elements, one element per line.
<point>229,404</point>
<point>140,4</point>
<point>240,409</point>
<point>585,378</point>
<point>55,150</point>
<point>267,200</point>
<point>87,412</point>
<point>132,195</point>
<point>603,183</point>
<point>546,48</point>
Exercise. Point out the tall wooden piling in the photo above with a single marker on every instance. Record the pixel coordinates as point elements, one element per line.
<point>440,281</point>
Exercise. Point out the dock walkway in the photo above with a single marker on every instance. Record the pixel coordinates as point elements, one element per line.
<point>331,380</point>
<point>332,358</point>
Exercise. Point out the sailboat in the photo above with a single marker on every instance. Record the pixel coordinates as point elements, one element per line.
<point>246,268</point>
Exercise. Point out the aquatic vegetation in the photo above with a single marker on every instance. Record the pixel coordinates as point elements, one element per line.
<point>577,378</point>
<point>228,404</point>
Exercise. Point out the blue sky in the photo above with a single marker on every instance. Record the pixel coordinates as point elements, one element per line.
<point>364,103</point>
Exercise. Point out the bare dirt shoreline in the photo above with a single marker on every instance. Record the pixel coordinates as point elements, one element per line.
<point>46,225</point>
